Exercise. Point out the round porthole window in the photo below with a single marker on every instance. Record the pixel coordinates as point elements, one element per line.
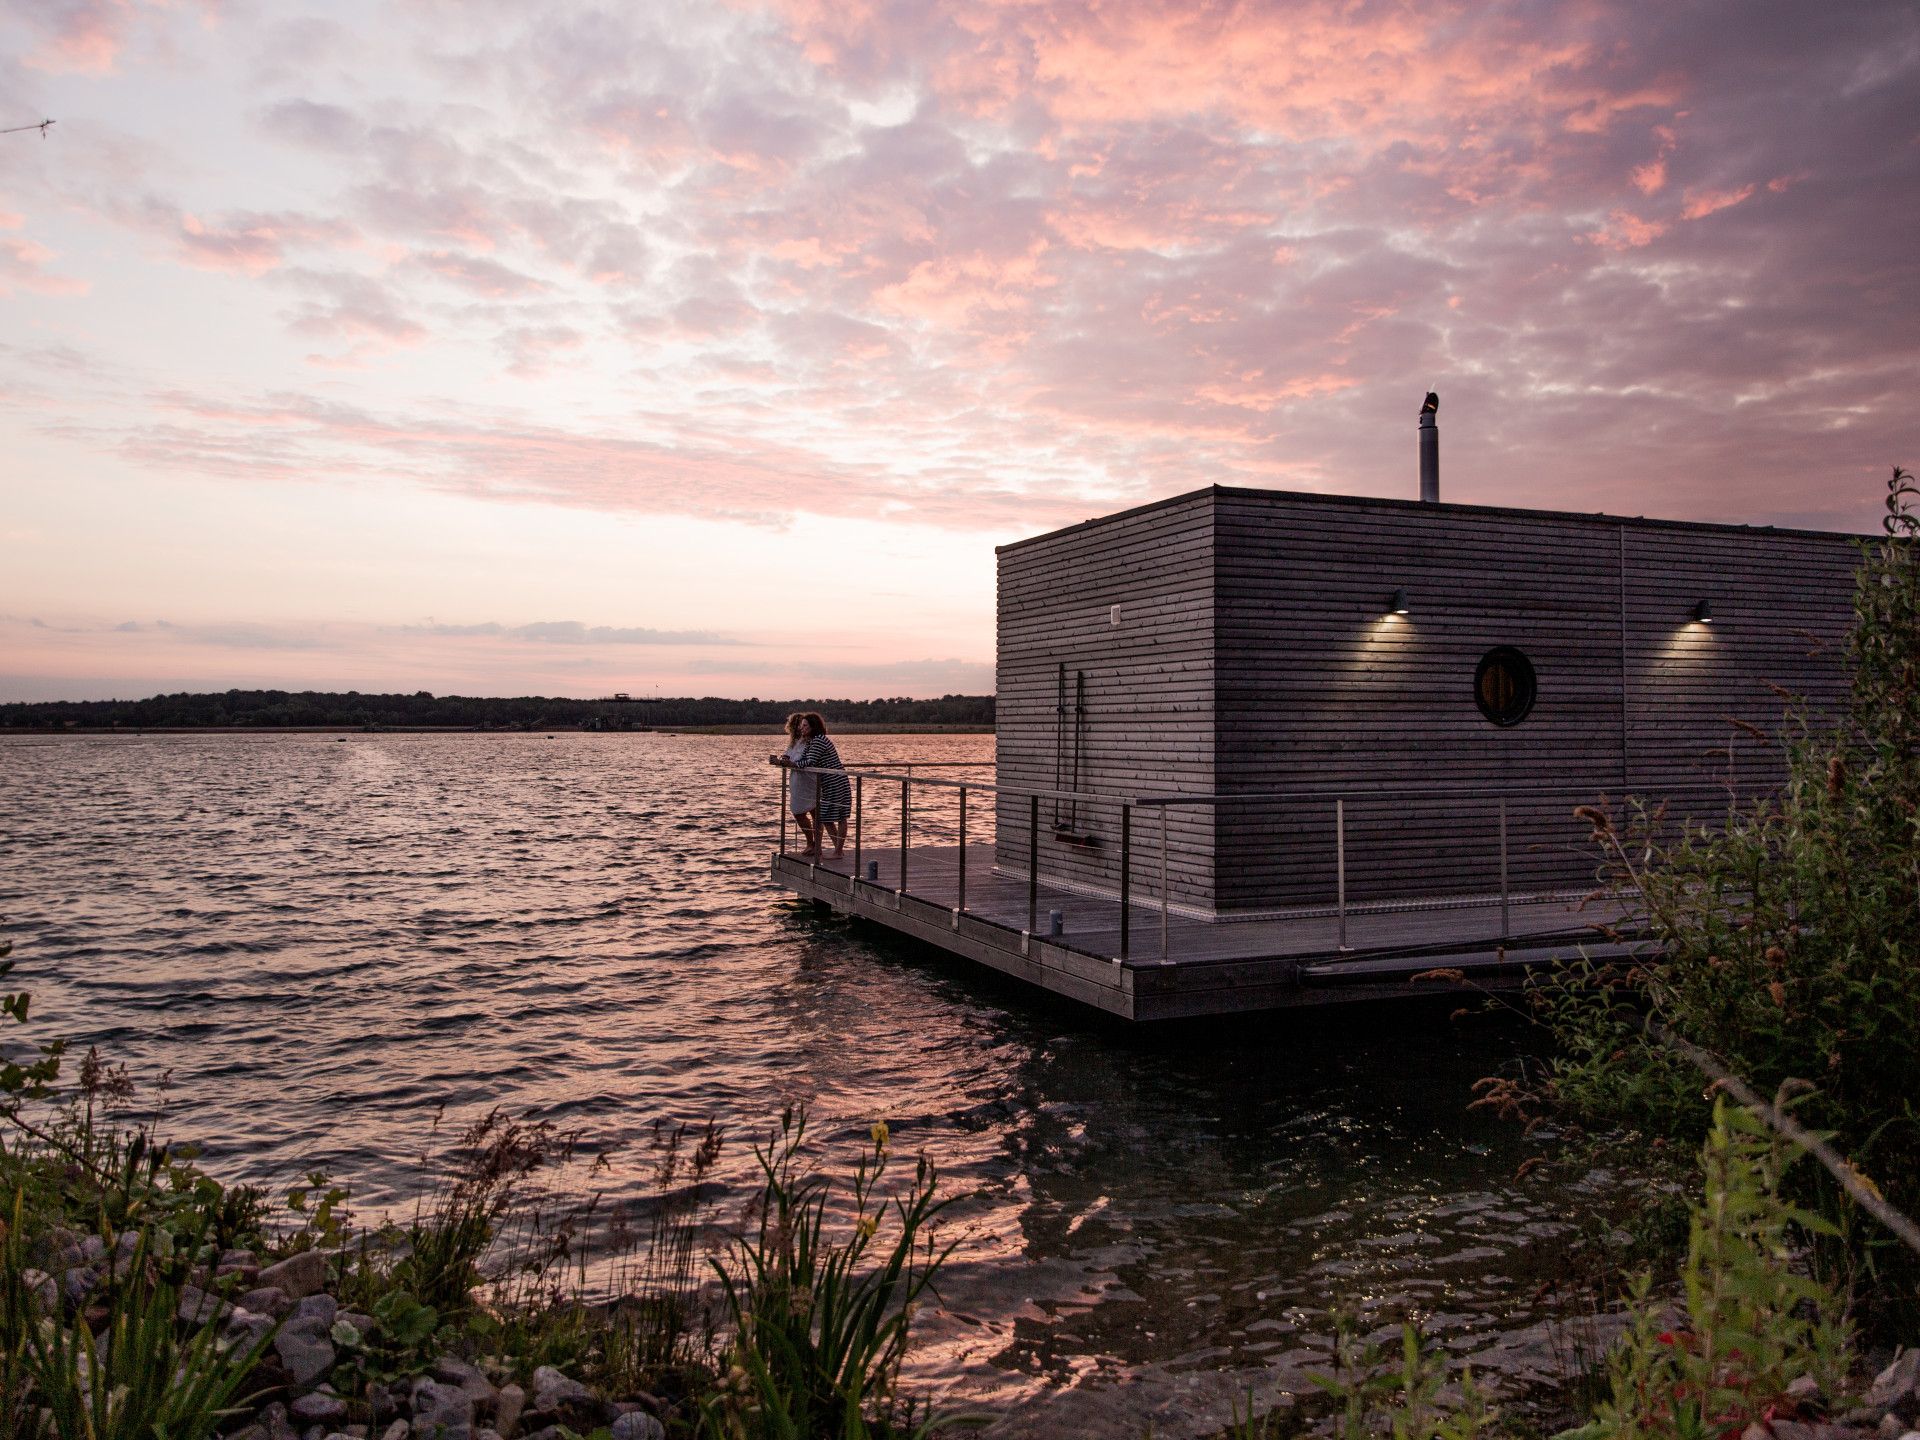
<point>1504,685</point>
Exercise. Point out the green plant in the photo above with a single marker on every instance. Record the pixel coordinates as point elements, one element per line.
<point>123,1371</point>
<point>1787,938</point>
<point>1753,1323</point>
<point>821,1318</point>
<point>1397,1391</point>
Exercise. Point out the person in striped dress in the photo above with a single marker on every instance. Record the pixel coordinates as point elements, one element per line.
<point>836,795</point>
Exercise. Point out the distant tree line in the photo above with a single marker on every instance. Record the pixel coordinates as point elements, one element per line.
<point>275,709</point>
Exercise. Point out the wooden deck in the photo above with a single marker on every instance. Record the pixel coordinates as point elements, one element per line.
<point>1209,968</point>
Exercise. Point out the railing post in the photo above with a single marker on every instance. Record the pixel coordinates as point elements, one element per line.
<point>906,804</point>
<point>781,790</point>
<point>1506,921</point>
<point>1164,811</point>
<point>1033,863</point>
<point>1126,877</point>
<point>1340,867</point>
<point>856,827</point>
<point>961,902</point>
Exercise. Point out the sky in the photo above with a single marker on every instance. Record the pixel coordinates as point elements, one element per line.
<point>495,348</point>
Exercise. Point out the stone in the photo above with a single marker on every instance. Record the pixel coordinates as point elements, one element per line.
<point>315,1312</point>
<point>508,1406</point>
<point>319,1408</point>
<point>486,1435</point>
<point>638,1425</point>
<point>306,1357</point>
<point>43,1295</point>
<point>274,1418</point>
<point>396,1431</point>
<point>255,1431</point>
<point>197,1307</point>
<point>299,1275</point>
<point>127,1243</point>
<point>238,1257</point>
<point>314,1432</point>
<point>553,1390</point>
<point>1756,1431</point>
<point>78,1283</point>
<point>92,1249</point>
<point>441,1411</point>
<point>466,1378</point>
<point>246,1329</point>
<point>1804,1388</point>
<point>363,1323</point>
<point>1896,1387</point>
<point>1890,1427</point>
<point>266,1300</point>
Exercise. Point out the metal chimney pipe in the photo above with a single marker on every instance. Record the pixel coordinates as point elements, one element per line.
<point>1430,450</point>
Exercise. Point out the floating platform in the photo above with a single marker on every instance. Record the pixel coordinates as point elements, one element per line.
<point>1209,967</point>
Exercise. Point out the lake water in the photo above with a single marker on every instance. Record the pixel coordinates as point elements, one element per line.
<point>323,939</point>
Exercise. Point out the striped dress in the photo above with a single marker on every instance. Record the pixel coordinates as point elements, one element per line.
<point>836,795</point>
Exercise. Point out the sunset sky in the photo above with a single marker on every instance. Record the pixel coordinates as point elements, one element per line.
<point>505,348</point>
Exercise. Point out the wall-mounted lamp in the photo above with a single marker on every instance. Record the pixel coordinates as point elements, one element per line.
<point>1397,603</point>
<point>1703,612</point>
<point>1113,614</point>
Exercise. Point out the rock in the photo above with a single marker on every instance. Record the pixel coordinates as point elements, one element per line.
<point>299,1275</point>
<point>1890,1427</point>
<point>78,1283</point>
<point>127,1243</point>
<point>638,1425</point>
<point>314,1432</point>
<point>307,1357</point>
<point>43,1295</point>
<point>466,1378</point>
<point>255,1431</point>
<point>274,1418</point>
<point>486,1435</point>
<point>547,1432</point>
<point>1898,1386</point>
<point>1804,1389</point>
<point>1756,1431</point>
<point>266,1300</point>
<point>363,1323</point>
<point>197,1307</point>
<point>508,1406</point>
<point>319,1408</point>
<point>441,1411</point>
<point>238,1257</point>
<point>92,1249</point>
<point>246,1328</point>
<point>396,1431</point>
<point>554,1391</point>
<point>315,1312</point>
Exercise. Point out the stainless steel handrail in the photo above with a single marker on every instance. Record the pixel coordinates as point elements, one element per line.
<point>1499,794</point>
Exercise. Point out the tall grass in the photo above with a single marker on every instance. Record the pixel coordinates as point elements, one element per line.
<point>822,1302</point>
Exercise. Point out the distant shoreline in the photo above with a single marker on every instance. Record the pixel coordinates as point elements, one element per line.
<point>902,729</point>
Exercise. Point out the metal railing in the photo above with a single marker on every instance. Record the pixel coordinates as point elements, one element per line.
<point>1162,806</point>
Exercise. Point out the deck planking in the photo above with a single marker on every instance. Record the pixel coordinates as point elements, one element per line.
<point>1209,967</point>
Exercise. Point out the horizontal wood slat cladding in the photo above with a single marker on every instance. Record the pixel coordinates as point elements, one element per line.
<point>1149,691</point>
<point>1318,688</point>
<point>1255,653</point>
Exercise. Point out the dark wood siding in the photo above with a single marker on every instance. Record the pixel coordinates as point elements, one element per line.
<point>1321,689</point>
<point>1149,690</point>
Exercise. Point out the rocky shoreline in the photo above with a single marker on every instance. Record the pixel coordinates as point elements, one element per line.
<point>286,1312</point>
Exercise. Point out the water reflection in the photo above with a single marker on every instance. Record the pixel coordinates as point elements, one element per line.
<point>325,941</point>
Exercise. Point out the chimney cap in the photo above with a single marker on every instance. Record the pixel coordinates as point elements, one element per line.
<point>1431,406</point>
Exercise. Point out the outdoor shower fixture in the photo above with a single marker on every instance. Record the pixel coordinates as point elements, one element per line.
<point>1703,612</point>
<point>1397,603</point>
<point>1430,450</point>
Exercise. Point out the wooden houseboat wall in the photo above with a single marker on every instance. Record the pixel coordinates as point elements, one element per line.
<point>1240,642</point>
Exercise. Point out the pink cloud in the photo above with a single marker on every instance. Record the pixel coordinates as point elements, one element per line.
<point>80,36</point>
<point>1702,203</point>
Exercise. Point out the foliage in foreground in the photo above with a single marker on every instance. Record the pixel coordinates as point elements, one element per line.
<point>802,1333</point>
<point>1750,1323</point>
<point>1790,937</point>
